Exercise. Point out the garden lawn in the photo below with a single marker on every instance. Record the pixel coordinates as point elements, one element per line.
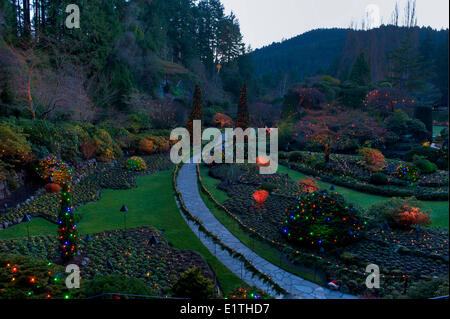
<point>37,226</point>
<point>439,214</point>
<point>152,203</point>
<point>264,250</point>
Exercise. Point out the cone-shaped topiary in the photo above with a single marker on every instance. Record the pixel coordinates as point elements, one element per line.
<point>322,219</point>
<point>197,110</point>
<point>243,117</point>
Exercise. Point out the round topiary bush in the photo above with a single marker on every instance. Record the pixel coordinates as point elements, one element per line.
<point>424,165</point>
<point>136,164</point>
<point>379,179</point>
<point>322,220</point>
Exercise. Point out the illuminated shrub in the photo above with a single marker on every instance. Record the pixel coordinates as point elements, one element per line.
<point>136,163</point>
<point>308,185</point>
<point>54,170</point>
<point>52,188</point>
<point>401,212</point>
<point>373,158</point>
<point>387,100</point>
<point>24,277</point>
<point>322,219</point>
<point>407,173</point>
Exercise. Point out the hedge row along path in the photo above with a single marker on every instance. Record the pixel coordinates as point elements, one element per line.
<point>299,288</point>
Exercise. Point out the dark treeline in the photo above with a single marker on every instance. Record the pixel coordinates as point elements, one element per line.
<point>388,50</point>
<point>120,41</point>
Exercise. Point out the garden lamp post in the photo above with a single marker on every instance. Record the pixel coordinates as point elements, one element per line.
<point>27,220</point>
<point>124,210</point>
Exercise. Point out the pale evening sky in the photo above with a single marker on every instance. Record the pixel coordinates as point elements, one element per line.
<point>266,21</point>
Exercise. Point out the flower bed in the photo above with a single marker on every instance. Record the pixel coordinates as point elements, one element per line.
<point>103,176</point>
<point>439,192</point>
<point>425,252</point>
<point>130,253</point>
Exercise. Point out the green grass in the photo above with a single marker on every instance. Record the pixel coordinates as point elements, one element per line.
<point>439,214</point>
<point>37,227</point>
<point>264,250</point>
<point>152,203</point>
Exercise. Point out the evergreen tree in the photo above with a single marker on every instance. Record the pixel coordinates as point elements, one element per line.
<point>243,117</point>
<point>360,74</point>
<point>197,110</point>
<point>406,69</point>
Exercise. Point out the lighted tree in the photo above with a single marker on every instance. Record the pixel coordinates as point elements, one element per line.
<point>387,100</point>
<point>55,171</point>
<point>197,110</point>
<point>243,117</point>
<point>322,219</point>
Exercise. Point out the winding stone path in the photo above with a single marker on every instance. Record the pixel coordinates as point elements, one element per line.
<point>298,288</point>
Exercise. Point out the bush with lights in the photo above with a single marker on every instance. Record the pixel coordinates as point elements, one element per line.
<point>407,173</point>
<point>57,172</point>
<point>136,163</point>
<point>322,219</point>
<point>23,277</point>
<point>250,293</point>
<point>401,212</point>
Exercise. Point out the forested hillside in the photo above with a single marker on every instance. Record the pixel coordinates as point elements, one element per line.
<point>127,56</point>
<point>334,52</point>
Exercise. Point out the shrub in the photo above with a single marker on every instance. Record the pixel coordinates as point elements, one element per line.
<point>424,165</point>
<point>53,170</point>
<point>425,115</point>
<point>401,212</point>
<point>268,187</point>
<point>136,163</point>
<point>407,173</point>
<point>282,155</point>
<point>52,188</point>
<point>429,153</point>
<point>192,284</point>
<point>374,158</point>
<point>88,150</point>
<point>295,157</point>
<point>379,179</point>
<point>23,277</point>
<point>322,219</point>
<point>116,284</point>
<point>422,289</point>
<point>308,185</point>
<point>14,148</point>
<point>146,146</point>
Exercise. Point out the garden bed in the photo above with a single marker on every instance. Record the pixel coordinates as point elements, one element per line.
<point>90,183</point>
<point>130,253</point>
<point>421,254</point>
<point>350,171</point>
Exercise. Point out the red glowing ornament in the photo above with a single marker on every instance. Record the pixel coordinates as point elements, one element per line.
<point>52,188</point>
<point>263,161</point>
<point>260,196</point>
